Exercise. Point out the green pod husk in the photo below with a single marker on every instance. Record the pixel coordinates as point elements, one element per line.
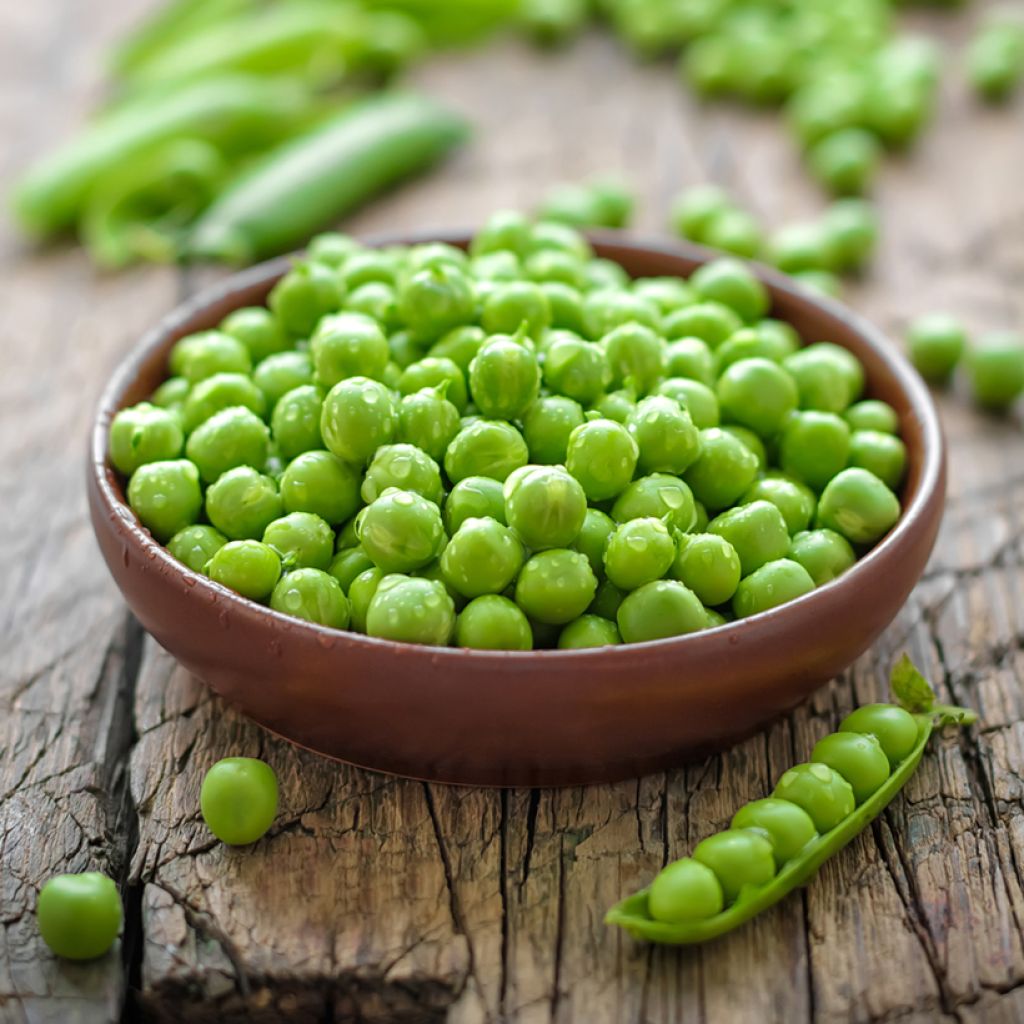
<point>317,178</point>
<point>235,114</point>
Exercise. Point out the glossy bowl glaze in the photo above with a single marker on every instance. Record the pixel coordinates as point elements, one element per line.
<point>521,718</point>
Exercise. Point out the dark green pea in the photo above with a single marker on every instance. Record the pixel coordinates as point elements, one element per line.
<point>313,595</point>
<point>555,586</point>
<point>506,229</point>
<point>712,322</point>
<point>545,505</point>
<point>859,759</point>
<point>196,545</point>
<point>657,496</point>
<point>576,368</point>
<point>724,470</point>
<point>258,330</point>
<point>709,565</point>
<point>663,608</point>
<point>729,282</point>
<point>144,433</point>
<point>166,496</point>
<point>786,826</point>
<point>685,890</point>
<point>359,415</point>
<point>482,557</point>
<point>820,790</point>
<point>347,564</point>
<point>588,631</point>
<point>360,594</point>
<point>491,448</point>
<point>883,454</point>
<point>427,420</point>
<point>243,503</point>
<point>739,858</point>
<point>348,345</point>
<point>348,536</point>
<point>248,567</point>
<point>758,394</point>
<point>547,426</point>
<point>201,355</point>
<point>638,552</point>
<point>872,414</point>
<point>665,434</point>
<point>795,500</point>
<point>433,372</point>
<point>495,623</point>
<point>690,357</point>
<point>229,438</point>
<point>515,304</point>
<point>321,483</point>
<point>405,467</point>
<point>607,601</point>
<point>306,293</point>
<point>895,729</point>
<point>221,391</point>
<point>434,300</point>
<point>814,447</point>
<point>756,531</point>
<point>602,455</point>
<point>280,373</point>
<point>504,378</point>
<point>460,345</point>
<point>401,531</point>
<point>696,398</point>
<point>411,610</point>
<point>474,497</point>
<point>859,506</point>
<point>773,584</point>
<point>606,309</point>
<point>295,423</point>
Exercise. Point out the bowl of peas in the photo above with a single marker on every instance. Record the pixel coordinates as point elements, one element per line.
<point>521,507</point>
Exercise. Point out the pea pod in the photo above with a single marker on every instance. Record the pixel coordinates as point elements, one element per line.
<point>454,22</point>
<point>704,916</point>
<point>320,176</point>
<point>233,113</point>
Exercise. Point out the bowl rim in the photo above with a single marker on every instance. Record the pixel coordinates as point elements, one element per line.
<point>933,459</point>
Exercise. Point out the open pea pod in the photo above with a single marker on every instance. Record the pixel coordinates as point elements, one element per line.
<point>916,696</point>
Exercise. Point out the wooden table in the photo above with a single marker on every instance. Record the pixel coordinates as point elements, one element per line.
<point>375,899</point>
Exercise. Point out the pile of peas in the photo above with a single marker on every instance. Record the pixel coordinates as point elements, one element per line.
<point>512,448</point>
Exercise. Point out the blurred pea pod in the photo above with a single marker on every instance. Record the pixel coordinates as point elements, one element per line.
<point>235,114</point>
<point>141,210</point>
<point>317,178</point>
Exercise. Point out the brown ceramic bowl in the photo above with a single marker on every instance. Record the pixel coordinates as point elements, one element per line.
<point>524,718</point>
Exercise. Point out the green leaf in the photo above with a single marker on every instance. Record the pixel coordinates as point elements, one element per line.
<point>910,688</point>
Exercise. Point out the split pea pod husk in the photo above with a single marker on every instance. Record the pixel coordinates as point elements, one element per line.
<point>916,697</point>
<point>235,113</point>
<point>317,178</point>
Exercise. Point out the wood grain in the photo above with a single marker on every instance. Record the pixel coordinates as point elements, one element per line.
<point>381,900</point>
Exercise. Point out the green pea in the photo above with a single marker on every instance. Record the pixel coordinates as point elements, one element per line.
<point>306,293</point>
<point>936,343</point>
<point>996,368</point>
<point>825,554</point>
<point>434,300</point>
<point>171,394</point>
<point>602,455</point>
<point>411,610</point>
<point>729,282</point>
<point>846,161</point>
<point>404,351</point>
<point>663,608</point>
<point>545,505</point>
<point>505,229</point>
<point>800,247</point>
<point>514,304</point>
<point>616,405</point>
<point>566,305</point>
<point>301,540</point>
<point>607,601</point>
<point>708,565</point>
<point>872,414</point>
<point>257,329</point>
<point>434,373</point>
<point>504,378</point>
<point>243,503</point>
<point>232,437</point>
<point>295,423</point>
<point>280,373</point>
<point>166,496</point>
<point>313,595</point>
<point>474,497</point>
<point>592,540</point>
<point>739,859</point>
<point>198,356</point>
<point>501,265</point>
<point>820,790</point>
<point>576,368</point>
<point>666,436</point>
<point>751,343</point>
<point>358,416</point>
<point>552,265</point>
<point>491,448</point>
<point>401,531</point>
<point>737,232</point>
<point>895,729</point>
<point>667,293</point>
<point>360,594</point>
<point>332,249</point>
<point>690,357</point>
<point>828,377</point>
<point>814,447</point>
<point>851,227</point>
<point>427,420</point>
<point>196,545</point>
<point>756,531</point>
<point>635,354</point>
<point>547,426</point>
<point>638,552</point>
<point>405,467</point>
<point>711,322</point>
<point>758,394</point>
<point>321,483</point>
<point>774,583</point>
<point>348,345</point>
<point>549,234</point>
<point>347,564</point>
<point>995,61</point>
<point>588,631</point>
<point>658,496</point>
<point>694,210</point>
<point>79,916</point>
<point>460,345</point>
<point>696,398</point>
<point>883,454</point>
<point>144,433</point>
<point>248,567</point>
<point>555,586</point>
<point>685,890</point>
<point>606,309</point>
<point>786,826</point>
<point>221,391</point>
<point>725,469</point>
<point>859,759</point>
<point>859,506</point>
<point>482,557</point>
<point>376,300</point>
<point>238,800</point>
<point>495,623</point>
<point>795,500</point>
